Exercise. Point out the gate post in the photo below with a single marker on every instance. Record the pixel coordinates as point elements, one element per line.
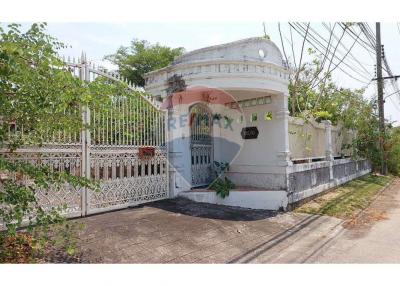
<point>85,138</point>
<point>328,146</point>
<point>167,146</point>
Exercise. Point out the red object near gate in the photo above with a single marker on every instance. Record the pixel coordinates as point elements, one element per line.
<point>146,152</point>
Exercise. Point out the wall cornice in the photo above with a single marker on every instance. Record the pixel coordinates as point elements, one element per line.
<point>219,69</point>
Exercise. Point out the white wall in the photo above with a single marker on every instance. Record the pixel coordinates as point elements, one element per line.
<point>267,200</point>
<point>239,68</point>
<point>266,150</point>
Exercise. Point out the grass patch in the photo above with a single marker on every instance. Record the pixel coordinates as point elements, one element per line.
<point>348,199</point>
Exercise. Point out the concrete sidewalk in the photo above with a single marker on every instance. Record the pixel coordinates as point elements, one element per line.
<point>374,237</point>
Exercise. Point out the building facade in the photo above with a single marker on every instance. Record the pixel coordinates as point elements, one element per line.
<point>234,110</point>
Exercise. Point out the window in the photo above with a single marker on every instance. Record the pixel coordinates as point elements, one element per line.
<point>267,100</point>
<point>268,116</point>
<point>253,117</point>
<point>253,102</point>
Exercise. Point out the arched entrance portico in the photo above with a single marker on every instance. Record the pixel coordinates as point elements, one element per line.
<point>201,145</point>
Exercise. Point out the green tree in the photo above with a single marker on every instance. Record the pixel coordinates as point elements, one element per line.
<point>394,150</point>
<point>314,94</point>
<point>142,57</point>
<point>39,93</point>
<point>35,86</point>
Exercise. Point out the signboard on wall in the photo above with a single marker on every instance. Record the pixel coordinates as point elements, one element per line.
<point>249,132</point>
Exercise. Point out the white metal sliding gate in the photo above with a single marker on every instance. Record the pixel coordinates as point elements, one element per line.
<point>125,149</point>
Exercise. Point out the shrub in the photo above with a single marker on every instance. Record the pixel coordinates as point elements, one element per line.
<point>394,152</point>
<point>222,187</point>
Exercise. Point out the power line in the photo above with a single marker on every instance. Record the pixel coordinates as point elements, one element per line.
<point>371,31</point>
<point>381,108</point>
<point>348,52</point>
<point>362,43</point>
<point>314,42</point>
<point>357,38</point>
<point>392,80</point>
<point>371,36</point>
<point>338,51</point>
<point>389,95</point>
<point>391,99</point>
<point>366,34</point>
<point>390,73</point>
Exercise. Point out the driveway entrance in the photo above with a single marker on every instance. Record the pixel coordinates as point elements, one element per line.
<point>182,231</point>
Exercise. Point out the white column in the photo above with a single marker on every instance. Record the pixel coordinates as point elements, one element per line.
<point>85,139</point>
<point>282,117</point>
<point>179,150</point>
<point>328,146</point>
<point>328,140</point>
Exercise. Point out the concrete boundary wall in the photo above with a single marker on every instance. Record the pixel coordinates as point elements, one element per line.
<point>307,180</point>
<point>308,139</point>
<point>303,181</point>
<point>253,199</point>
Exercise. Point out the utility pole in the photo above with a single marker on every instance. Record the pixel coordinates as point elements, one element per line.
<point>380,98</point>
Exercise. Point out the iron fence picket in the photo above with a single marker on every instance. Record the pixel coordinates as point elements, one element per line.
<point>108,151</point>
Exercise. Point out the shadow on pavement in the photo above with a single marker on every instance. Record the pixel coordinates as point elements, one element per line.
<point>211,211</point>
<point>263,248</point>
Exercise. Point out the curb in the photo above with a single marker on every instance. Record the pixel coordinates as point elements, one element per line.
<point>380,192</point>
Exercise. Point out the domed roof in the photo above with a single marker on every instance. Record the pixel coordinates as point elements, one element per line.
<point>251,49</point>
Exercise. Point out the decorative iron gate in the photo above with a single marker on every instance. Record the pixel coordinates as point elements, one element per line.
<point>201,145</point>
<point>109,151</point>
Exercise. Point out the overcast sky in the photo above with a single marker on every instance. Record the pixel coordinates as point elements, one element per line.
<point>100,39</point>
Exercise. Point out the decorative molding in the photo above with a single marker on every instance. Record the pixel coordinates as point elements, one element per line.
<point>227,68</point>
<point>282,114</point>
<point>250,102</point>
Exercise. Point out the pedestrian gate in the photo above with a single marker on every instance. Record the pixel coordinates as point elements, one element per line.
<point>201,145</point>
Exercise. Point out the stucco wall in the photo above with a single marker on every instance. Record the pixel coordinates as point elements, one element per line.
<point>306,139</point>
<point>261,151</point>
<point>269,200</point>
<point>261,161</point>
<point>340,138</point>
<point>309,179</point>
<point>251,49</point>
<point>253,63</point>
<point>304,181</point>
<point>240,69</point>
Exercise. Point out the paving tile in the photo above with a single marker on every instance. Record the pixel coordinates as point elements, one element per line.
<point>181,231</point>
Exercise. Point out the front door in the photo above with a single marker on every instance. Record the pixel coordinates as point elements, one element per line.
<point>201,145</point>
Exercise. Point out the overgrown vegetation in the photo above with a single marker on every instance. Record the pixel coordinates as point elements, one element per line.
<point>394,151</point>
<point>56,242</point>
<point>314,94</point>
<point>37,92</point>
<point>348,199</point>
